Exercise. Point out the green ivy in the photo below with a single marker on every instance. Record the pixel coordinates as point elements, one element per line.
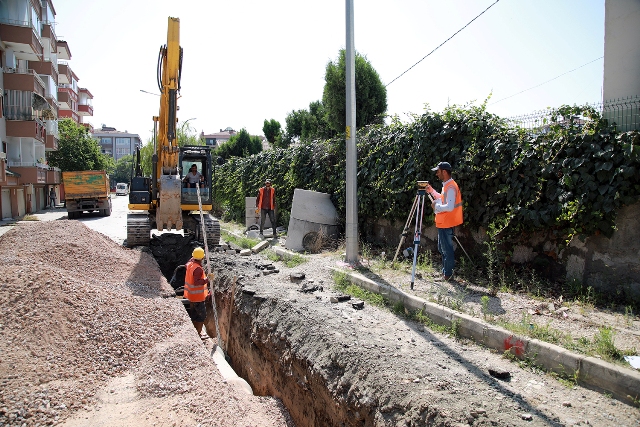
<point>568,177</point>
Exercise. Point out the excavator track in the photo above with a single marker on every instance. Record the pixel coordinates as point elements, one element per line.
<point>138,230</point>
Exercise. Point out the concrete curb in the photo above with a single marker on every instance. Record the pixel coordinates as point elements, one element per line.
<point>623,383</point>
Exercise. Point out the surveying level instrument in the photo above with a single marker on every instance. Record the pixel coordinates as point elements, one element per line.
<point>418,210</point>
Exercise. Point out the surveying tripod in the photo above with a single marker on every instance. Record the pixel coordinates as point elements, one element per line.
<point>418,210</point>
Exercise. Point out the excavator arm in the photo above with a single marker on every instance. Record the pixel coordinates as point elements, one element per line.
<point>168,210</point>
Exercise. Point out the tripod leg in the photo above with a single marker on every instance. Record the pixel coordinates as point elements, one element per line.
<point>417,236</point>
<point>406,227</point>
<point>465,252</point>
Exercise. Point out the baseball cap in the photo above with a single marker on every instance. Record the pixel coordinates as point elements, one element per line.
<point>443,165</point>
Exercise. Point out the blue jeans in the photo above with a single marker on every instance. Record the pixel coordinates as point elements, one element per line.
<point>445,246</point>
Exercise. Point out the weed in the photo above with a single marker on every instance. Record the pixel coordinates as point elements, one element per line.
<point>454,302</point>
<point>543,333</point>
<point>243,242</point>
<point>485,306</point>
<point>628,315</point>
<point>604,345</point>
<point>30,218</point>
<point>566,379</point>
<point>294,261</point>
<point>424,262</point>
<point>398,308</point>
<point>345,286</point>
<point>453,330</point>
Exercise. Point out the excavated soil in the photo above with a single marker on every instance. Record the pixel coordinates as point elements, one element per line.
<point>90,335</point>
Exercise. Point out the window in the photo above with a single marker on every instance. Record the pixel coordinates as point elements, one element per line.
<point>123,142</point>
<point>106,141</point>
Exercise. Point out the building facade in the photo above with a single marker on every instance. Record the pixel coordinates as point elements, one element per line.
<point>215,139</point>
<point>31,79</point>
<point>115,143</point>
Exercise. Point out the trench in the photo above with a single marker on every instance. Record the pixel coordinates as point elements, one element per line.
<point>256,331</point>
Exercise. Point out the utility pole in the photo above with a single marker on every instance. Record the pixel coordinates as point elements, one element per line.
<point>351,231</point>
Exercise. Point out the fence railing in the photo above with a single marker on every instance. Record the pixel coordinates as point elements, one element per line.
<point>623,113</point>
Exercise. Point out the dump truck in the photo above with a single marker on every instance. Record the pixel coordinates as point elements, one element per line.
<point>86,191</point>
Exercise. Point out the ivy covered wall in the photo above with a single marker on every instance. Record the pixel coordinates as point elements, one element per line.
<point>568,177</point>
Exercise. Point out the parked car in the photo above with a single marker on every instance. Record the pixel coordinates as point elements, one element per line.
<point>122,189</point>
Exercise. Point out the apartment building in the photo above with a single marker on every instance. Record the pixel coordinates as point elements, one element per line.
<point>32,79</point>
<point>116,143</point>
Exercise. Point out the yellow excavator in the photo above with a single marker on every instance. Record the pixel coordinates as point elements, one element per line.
<point>163,201</point>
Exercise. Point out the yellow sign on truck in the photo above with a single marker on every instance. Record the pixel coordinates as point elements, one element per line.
<point>86,191</point>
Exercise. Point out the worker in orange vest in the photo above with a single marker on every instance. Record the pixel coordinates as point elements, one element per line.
<point>196,283</point>
<point>266,204</point>
<point>448,209</point>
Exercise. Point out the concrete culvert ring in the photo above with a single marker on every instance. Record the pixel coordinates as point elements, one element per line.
<point>312,242</point>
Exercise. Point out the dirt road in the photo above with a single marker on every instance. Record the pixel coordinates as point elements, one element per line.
<point>88,338</point>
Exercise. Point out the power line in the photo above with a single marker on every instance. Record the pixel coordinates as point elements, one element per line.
<point>557,77</point>
<point>454,34</point>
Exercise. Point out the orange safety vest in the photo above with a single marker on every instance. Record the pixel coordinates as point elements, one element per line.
<point>272,204</point>
<point>192,292</point>
<point>453,218</point>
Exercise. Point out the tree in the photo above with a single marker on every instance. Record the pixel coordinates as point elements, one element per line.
<point>371,95</point>
<point>146,158</point>
<point>309,124</point>
<point>239,145</point>
<point>271,130</point>
<point>123,168</point>
<point>187,135</point>
<point>77,150</point>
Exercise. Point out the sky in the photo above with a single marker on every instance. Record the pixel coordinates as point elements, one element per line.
<point>250,60</point>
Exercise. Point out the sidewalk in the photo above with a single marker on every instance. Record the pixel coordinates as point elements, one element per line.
<point>46,214</point>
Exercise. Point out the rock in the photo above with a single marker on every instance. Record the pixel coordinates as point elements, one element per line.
<point>245,252</point>
<point>499,373</point>
<point>566,404</point>
<point>265,272</point>
<point>260,247</point>
<point>248,291</point>
<point>297,276</point>
<point>339,298</point>
<point>526,417</point>
<point>358,305</point>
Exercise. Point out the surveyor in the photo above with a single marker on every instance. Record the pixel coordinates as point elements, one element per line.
<point>266,204</point>
<point>196,285</point>
<point>448,209</point>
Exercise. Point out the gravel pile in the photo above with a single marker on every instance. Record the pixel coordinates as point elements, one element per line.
<point>80,314</point>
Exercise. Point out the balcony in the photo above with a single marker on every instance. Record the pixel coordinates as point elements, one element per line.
<point>46,68</point>
<point>63,50</point>
<point>65,75</point>
<point>49,33</point>
<point>30,173</point>
<point>85,110</point>
<point>51,143</point>
<point>25,126</point>
<point>69,114</point>
<point>53,176</point>
<point>21,79</point>
<point>22,39</point>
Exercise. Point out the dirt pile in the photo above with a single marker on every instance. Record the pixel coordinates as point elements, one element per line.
<point>87,324</point>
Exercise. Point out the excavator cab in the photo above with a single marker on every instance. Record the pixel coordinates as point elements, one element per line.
<point>200,156</point>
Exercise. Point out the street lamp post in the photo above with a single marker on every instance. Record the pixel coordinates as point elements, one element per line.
<point>150,93</point>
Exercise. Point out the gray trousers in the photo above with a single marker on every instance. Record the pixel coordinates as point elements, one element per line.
<point>272,218</point>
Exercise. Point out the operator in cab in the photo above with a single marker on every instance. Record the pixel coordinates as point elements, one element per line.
<point>194,177</point>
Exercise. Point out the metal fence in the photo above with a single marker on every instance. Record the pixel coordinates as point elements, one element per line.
<point>623,113</point>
